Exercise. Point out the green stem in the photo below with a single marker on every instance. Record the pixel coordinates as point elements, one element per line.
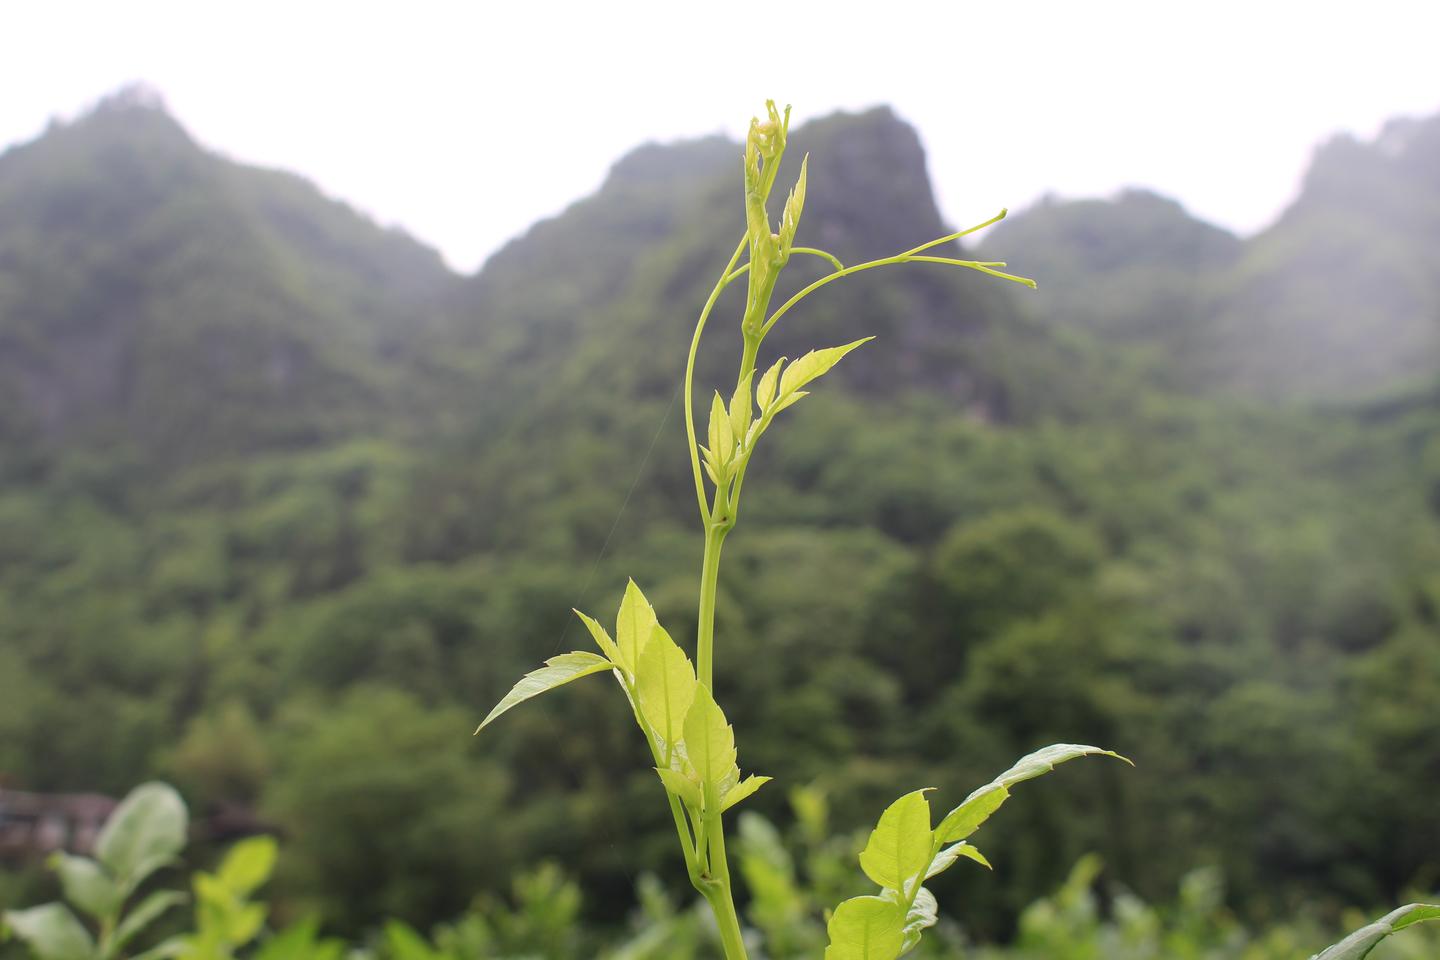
<point>690,378</point>
<point>705,628</point>
<point>721,901</point>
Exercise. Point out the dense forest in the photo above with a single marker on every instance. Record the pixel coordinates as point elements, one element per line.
<point>286,505</point>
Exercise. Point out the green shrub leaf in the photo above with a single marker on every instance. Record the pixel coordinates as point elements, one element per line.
<point>813,365</point>
<point>901,844</point>
<point>146,912</point>
<point>633,624</point>
<point>1362,941</point>
<point>248,864</point>
<point>144,833</point>
<point>977,808</point>
<point>51,932</point>
<point>950,854</point>
<point>602,638</point>
<point>721,436</point>
<point>765,392</point>
<point>742,790</point>
<point>923,914</point>
<point>709,741</point>
<point>86,884</point>
<point>665,685</point>
<point>866,928</point>
<point>556,672</point>
<point>741,407</point>
<point>686,788</point>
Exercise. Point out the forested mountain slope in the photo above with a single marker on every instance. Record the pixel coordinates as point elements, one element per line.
<point>159,302</point>
<point>1338,299</point>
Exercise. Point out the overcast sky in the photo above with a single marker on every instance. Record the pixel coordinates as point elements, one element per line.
<point>466,122</point>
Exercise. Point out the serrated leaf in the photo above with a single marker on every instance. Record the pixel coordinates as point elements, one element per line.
<point>977,808</point>
<point>247,865</point>
<point>950,854</point>
<point>924,913</point>
<point>709,741</point>
<point>633,623</point>
<point>967,818</point>
<point>685,788</point>
<point>742,790</point>
<point>900,846</point>
<point>794,205</point>
<point>765,392</point>
<point>814,364</point>
<point>602,638</point>
<point>146,912</point>
<point>51,932</point>
<point>866,928</point>
<point>556,672</point>
<point>721,435</point>
<point>1359,944</point>
<point>741,407</point>
<point>665,685</point>
<point>144,833</point>
<point>791,400</point>
<point>86,884</point>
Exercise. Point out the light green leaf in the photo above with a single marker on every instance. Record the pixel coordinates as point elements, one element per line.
<point>1362,941</point>
<point>144,833</point>
<point>51,932</point>
<point>924,914</point>
<point>966,818</point>
<point>765,393</point>
<point>742,790</point>
<point>665,685</point>
<point>86,884</point>
<point>950,854</point>
<point>721,437</point>
<point>977,808</point>
<point>248,864</point>
<point>633,624</point>
<point>866,928</point>
<point>741,409</point>
<point>1411,914</point>
<point>814,364</point>
<point>556,672</point>
<point>900,846</point>
<point>406,944</point>
<point>244,923</point>
<point>300,941</point>
<point>709,741</point>
<point>684,787</point>
<point>794,204</point>
<point>169,948</point>
<point>146,912</point>
<point>602,638</point>
<point>791,400</point>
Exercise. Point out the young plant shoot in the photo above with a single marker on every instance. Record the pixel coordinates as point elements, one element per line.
<point>690,739</point>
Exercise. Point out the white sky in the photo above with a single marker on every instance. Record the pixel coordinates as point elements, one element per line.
<point>466,122</point>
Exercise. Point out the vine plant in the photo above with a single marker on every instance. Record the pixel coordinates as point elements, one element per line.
<point>692,743</point>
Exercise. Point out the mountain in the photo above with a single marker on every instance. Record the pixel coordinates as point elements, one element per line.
<point>654,235</point>
<point>157,298</point>
<point>1341,296</point>
<point>1136,268</point>
<point>1338,299</point>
